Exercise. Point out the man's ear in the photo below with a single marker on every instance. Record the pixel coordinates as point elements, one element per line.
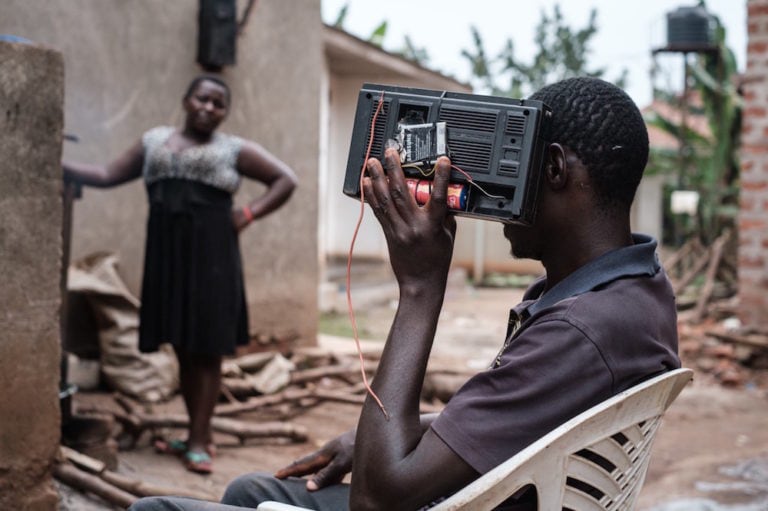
<point>555,167</point>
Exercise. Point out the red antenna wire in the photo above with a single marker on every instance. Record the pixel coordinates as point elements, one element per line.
<point>349,261</point>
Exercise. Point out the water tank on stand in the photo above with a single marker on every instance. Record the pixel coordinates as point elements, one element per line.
<point>690,29</point>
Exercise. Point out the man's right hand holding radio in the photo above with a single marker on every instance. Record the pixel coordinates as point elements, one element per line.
<point>419,239</point>
<point>395,459</point>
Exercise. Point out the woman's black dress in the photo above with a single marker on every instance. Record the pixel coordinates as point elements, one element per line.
<point>192,293</point>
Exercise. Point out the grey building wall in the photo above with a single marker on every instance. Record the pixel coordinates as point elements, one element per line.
<point>127,65</point>
<point>31,94</point>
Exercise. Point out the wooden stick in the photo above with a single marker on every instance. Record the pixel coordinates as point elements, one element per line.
<point>754,341</point>
<point>698,265</point>
<point>76,478</point>
<point>243,387</point>
<point>425,407</point>
<point>238,386</point>
<point>82,461</point>
<point>317,373</point>
<point>255,403</point>
<point>242,430</point>
<point>252,361</point>
<point>341,397</point>
<point>290,395</point>
<point>144,489</point>
<point>709,283</point>
<point>679,255</point>
<point>134,486</point>
<point>228,394</point>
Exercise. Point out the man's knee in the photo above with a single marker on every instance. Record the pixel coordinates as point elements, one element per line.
<point>250,489</point>
<point>152,504</point>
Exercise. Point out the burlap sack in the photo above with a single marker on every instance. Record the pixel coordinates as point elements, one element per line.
<point>145,376</point>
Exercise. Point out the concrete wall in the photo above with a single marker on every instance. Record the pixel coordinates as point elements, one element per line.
<point>753,218</point>
<point>127,65</point>
<point>31,94</point>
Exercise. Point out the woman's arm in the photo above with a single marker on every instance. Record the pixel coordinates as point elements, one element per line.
<point>257,163</point>
<point>125,168</point>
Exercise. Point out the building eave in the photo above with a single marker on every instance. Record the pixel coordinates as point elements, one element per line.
<point>348,55</point>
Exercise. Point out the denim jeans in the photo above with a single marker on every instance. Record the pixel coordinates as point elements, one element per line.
<point>249,490</point>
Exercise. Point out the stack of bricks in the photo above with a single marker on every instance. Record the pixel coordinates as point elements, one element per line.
<point>753,218</point>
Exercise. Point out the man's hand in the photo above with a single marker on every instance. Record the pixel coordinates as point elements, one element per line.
<point>329,464</point>
<point>420,239</point>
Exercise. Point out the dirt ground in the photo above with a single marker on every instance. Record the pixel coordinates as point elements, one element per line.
<point>710,455</point>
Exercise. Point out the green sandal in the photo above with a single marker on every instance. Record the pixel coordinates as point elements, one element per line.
<point>199,462</point>
<point>176,447</point>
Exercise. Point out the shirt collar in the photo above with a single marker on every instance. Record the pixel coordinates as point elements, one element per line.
<point>631,261</point>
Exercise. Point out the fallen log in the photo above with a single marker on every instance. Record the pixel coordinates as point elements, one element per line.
<point>255,403</point>
<point>122,482</point>
<point>317,373</point>
<point>145,489</point>
<point>754,341</point>
<point>72,476</point>
<point>245,386</point>
<point>241,430</point>
<point>290,395</point>
<point>244,430</point>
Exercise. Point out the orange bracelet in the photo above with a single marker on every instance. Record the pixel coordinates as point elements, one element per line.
<point>248,213</point>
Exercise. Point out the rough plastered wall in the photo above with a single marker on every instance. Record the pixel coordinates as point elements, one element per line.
<point>31,95</point>
<point>127,66</point>
<point>753,218</point>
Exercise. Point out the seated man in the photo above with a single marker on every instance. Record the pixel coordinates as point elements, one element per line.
<point>601,320</point>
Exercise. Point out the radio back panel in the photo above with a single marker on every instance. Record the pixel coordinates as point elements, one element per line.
<point>496,145</point>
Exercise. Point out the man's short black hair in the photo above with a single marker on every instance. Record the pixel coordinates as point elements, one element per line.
<point>207,78</point>
<point>603,126</point>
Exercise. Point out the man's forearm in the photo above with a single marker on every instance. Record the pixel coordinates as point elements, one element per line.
<point>383,443</point>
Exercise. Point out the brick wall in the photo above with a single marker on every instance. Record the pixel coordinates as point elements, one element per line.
<point>753,218</point>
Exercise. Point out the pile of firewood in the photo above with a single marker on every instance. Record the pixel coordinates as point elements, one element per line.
<point>701,275</point>
<point>712,340</point>
<point>734,356</point>
<point>91,475</point>
<point>261,393</point>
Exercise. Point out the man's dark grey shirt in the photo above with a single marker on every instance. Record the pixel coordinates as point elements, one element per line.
<point>604,328</point>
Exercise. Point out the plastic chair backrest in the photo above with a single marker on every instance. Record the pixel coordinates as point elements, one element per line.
<point>596,461</point>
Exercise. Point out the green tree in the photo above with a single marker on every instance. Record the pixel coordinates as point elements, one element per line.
<point>409,50</point>
<point>562,53</point>
<point>341,17</point>
<point>415,53</point>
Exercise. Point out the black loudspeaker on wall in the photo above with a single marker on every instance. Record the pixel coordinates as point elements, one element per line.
<point>216,40</point>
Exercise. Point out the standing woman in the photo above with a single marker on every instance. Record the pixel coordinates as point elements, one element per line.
<point>192,292</point>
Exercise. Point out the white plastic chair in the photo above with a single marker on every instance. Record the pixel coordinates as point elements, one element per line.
<point>596,461</point>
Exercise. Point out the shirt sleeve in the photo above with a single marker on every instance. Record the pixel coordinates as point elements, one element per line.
<point>548,374</point>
